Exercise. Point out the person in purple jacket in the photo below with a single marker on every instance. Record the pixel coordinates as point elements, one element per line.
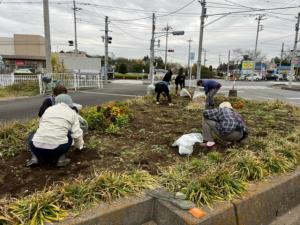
<point>211,87</point>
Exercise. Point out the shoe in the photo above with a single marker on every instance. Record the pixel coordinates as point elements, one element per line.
<point>208,144</point>
<point>63,162</point>
<point>32,162</point>
<point>157,103</point>
<point>171,104</point>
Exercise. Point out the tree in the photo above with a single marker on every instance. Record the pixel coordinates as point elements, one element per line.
<point>57,66</point>
<point>123,68</point>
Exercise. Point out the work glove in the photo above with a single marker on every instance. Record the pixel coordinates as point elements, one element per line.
<point>78,143</point>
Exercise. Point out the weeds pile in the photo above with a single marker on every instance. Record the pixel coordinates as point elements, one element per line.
<point>52,205</point>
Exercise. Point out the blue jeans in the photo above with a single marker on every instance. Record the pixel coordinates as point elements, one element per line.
<point>50,154</point>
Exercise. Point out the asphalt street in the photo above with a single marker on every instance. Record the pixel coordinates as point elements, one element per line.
<point>27,108</point>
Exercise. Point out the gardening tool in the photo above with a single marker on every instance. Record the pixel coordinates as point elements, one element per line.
<point>233,92</point>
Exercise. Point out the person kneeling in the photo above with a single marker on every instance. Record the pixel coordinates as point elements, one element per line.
<point>223,125</point>
<point>58,127</point>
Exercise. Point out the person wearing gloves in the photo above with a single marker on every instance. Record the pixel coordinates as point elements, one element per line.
<point>224,125</point>
<point>58,127</point>
<point>162,88</point>
<point>211,87</point>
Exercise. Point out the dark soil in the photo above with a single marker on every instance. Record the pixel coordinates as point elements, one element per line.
<point>144,144</point>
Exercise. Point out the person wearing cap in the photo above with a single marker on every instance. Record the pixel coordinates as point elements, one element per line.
<point>211,87</point>
<point>58,127</point>
<point>50,100</point>
<point>224,125</point>
<point>162,88</point>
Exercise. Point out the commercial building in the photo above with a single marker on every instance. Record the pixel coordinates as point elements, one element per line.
<point>23,51</point>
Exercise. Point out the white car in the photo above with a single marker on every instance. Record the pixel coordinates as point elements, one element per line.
<point>255,77</point>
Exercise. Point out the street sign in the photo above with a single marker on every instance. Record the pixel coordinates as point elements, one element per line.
<point>171,50</point>
<point>248,65</point>
<point>295,61</point>
<point>192,56</point>
<point>178,32</point>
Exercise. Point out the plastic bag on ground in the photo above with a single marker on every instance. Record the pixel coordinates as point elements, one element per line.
<point>185,93</point>
<point>186,143</point>
<point>198,94</point>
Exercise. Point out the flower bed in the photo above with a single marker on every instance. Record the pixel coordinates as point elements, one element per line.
<point>137,155</point>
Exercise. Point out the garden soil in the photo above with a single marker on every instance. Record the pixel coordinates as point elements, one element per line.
<point>144,144</point>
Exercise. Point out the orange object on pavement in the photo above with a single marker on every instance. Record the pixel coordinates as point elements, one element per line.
<point>197,213</point>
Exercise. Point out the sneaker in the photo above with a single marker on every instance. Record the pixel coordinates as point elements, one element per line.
<point>157,103</point>
<point>63,162</point>
<point>32,162</point>
<point>171,104</point>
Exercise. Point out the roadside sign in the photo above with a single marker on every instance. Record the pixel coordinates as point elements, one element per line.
<point>295,61</point>
<point>248,65</point>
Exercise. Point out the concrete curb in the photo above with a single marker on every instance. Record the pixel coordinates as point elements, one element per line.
<point>263,204</point>
<point>291,89</point>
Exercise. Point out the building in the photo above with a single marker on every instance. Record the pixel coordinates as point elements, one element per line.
<point>23,51</point>
<point>80,63</point>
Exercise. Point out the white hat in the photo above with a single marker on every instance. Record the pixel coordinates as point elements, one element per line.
<point>225,105</point>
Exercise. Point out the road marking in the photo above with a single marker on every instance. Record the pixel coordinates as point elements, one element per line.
<point>248,87</point>
<point>101,93</point>
<point>293,98</point>
<point>264,97</point>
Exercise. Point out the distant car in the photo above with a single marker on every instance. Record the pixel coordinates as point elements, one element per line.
<point>272,76</point>
<point>243,77</point>
<point>255,77</point>
<point>23,72</point>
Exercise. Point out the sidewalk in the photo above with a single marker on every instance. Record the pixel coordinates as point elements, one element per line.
<point>127,81</point>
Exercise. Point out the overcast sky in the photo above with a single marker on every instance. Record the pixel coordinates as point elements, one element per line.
<point>131,38</point>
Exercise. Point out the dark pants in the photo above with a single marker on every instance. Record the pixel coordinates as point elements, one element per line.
<point>50,154</point>
<point>179,84</point>
<point>210,102</point>
<point>162,88</point>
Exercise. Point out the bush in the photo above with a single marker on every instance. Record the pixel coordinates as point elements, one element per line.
<point>123,68</point>
<point>130,76</point>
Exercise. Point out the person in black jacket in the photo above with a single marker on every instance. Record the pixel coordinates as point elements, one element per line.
<point>168,76</point>
<point>50,100</point>
<point>162,88</point>
<point>179,81</point>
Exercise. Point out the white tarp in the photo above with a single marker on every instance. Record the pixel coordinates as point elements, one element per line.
<point>186,143</point>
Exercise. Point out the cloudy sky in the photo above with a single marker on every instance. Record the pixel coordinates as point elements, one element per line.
<point>131,33</point>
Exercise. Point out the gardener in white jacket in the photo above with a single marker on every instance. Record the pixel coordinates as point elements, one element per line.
<point>58,127</point>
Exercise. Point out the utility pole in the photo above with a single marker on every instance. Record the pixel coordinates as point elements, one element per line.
<point>228,64</point>
<point>152,50</point>
<point>47,36</point>
<point>75,25</point>
<point>167,29</point>
<point>204,62</point>
<point>259,28</point>
<point>203,15</point>
<point>294,50</point>
<point>106,48</point>
<point>281,57</point>
<point>189,62</point>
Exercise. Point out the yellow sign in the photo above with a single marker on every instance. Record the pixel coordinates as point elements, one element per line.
<point>248,65</point>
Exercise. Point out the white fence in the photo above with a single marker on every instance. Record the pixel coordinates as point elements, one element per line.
<point>69,80</point>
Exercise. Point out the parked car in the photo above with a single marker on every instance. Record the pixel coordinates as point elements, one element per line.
<point>272,76</point>
<point>243,77</point>
<point>255,77</point>
<point>23,72</point>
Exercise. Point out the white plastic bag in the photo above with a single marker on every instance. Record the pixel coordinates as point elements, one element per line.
<point>186,143</point>
<point>185,93</point>
<point>198,94</point>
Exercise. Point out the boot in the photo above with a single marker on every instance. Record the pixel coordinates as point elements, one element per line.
<point>63,161</point>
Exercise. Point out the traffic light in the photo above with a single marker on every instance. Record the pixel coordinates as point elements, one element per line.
<point>71,43</point>
<point>109,40</point>
<point>171,50</point>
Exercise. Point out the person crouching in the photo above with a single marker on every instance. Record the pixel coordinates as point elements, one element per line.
<point>223,125</point>
<point>162,88</point>
<point>58,127</point>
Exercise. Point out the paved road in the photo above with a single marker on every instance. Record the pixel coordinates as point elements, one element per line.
<point>23,109</point>
<point>27,108</point>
